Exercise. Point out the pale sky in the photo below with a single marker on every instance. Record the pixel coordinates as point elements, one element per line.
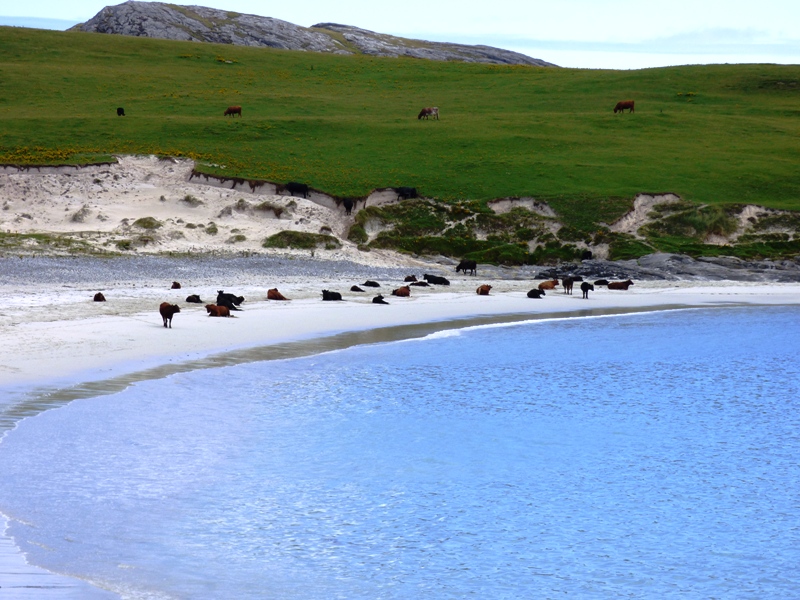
<point>615,34</point>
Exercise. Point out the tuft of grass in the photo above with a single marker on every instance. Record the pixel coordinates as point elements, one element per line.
<point>301,240</point>
<point>150,223</point>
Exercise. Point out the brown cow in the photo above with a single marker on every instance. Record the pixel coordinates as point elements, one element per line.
<point>274,294</point>
<point>568,282</point>
<point>98,297</point>
<point>176,285</point>
<point>403,292</point>
<point>167,310</point>
<point>217,311</point>
<point>410,278</point>
<point>620,285</point>
<point>483,290</point>
<point>548,285</point>
<point>233,111</point>
<point>430,111</point>
<point>621,106</point>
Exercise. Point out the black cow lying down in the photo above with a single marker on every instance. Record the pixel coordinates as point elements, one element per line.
<point>355,288</point>
<point>194,298</point>
<point>326,295</point>
<point>230,301</point>
<point>435,279</point>
<point>371,284</point>
<point>536,293</point>
<point>379,300</point>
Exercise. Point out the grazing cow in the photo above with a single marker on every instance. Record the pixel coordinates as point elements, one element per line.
<point>624,104</point>
<point>410,278</point>
<point>568,282</point>
<point>369,283</point>
<point>405,193</point>
<point>229,300</point>
<point>214,310</point>
<point>98,297</point>
<point>232,111</point>
<point>176,285</point>
<point>326,295</point>
<point>620,285</point>
<point>194,299</point>
<point>348,206</point>
<point>274,294</point>
<point>167,310</point>
<point>430,111</point>
<point>536,293</point>
<point>548,285</point>
<point>420,283</point>
<point>468,265</point>
<point>586,288</point>
<point>355,288</point>
<point>601,282</point>
<point>435,279</point>
<point>295,189</point>
<point>379,300</point>
<point>483,290</point>
<point>403,292</point>
<point>120,112</point>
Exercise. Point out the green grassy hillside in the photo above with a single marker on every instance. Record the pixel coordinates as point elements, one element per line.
<point>346,125</point>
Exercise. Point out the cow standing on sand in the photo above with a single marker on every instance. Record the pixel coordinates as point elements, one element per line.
<point>586,288</point>
<point>468,265</point>
<point>167,310</point>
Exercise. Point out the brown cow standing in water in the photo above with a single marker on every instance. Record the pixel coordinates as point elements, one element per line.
<point>167,310</point>
<point>233,111</point>
<point>621,106</point>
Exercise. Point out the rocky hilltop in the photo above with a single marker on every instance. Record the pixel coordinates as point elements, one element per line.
<point>201,24</point>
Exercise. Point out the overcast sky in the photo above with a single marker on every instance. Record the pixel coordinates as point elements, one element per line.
<point>617,34</point>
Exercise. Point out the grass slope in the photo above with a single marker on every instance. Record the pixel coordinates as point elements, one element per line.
<point>347,125</point>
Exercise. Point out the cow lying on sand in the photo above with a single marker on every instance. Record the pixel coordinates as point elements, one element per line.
<point>369,283</point>
<point>536,293</point>
<point>98,297</point>
<point>231,301</point>
<point>483,290</point>
<point>194,299</point>
<point>330,296</point>
<point>548,285</point>
<point>379,300</point>
<point>620,285</point>
<point>274,294</point>
<point>214,310</point>
<point>167,310</point>
<point>403,292</point>
<point>435,279</point>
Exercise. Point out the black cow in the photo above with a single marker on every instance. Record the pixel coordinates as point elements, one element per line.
<point>586,288</point>
<point>348,206</point>
<point>295,188</point>
<point>120,112</point>
<point>371,284</point>
<point>355,288</point>
<point>435,279</point>
<point>404,193</point>
<point>586,255</point>
<point>379,300</point>
<point>536,293</point>
<point>194,298</point>
<point>601,282</point>
<point>98,297</point>
<point>410,278</point>
<point>230,301</point>
<point>468,265</point>
<point>326,295</point>
<point>420,283</point>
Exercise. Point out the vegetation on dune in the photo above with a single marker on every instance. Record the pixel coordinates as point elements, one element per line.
<point>715,135</point>
<point>301,240</point>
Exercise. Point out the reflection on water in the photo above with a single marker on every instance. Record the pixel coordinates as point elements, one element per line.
<point>649,455</point>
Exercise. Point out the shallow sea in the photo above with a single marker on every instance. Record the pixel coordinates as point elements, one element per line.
<point>653,455</point>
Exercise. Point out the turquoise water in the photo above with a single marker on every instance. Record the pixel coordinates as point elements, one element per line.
<point>649,456</point>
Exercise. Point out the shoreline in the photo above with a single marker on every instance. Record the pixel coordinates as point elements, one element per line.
<point>92,349</point>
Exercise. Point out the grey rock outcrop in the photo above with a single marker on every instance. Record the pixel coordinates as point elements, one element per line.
<point>202,24</point>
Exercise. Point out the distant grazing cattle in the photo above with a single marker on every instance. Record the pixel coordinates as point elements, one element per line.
<point>601,282</point>
<point>167,310</point>
<point>230,301</point>
<point>623,105</point>
<point>369,283</point>
<point>567,282</point>
<point>586,255</point>
<point>176,285</point>
<point>296,189</point>
<point>405,193</point>
<point>620,285</point>
<point>98,297</point>
<point>435,279</point>
<point>215,310</point>
<point>420,283</point>
<point>274,294</point>
<point>379,300</point>
<point>355,288</point>
<point>536,293</point>
<point>348,206</point>
<point>430,111</point>
<point>586,288</point>
<point>483,290</point>
<point>403,292</point>
<point>410,278</point>
<point>326,295</point>
<point>548,285</point>
<point>194,299</point>
<point>232,111</point>
<point>120,112</point>
<point>468,265</point>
